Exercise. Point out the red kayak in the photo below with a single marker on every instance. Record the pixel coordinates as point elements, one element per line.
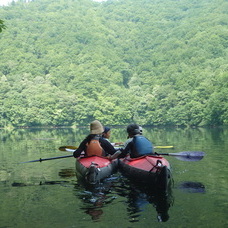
<point>152,170</point>
<point>93,169</point>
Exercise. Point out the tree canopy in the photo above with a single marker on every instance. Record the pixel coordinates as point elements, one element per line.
<point>154,62</point>
<point>2,26</point>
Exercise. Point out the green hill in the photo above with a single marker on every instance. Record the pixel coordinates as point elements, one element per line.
<point>154,62</point>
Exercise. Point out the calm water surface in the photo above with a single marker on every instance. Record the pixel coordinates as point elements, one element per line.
<point>48,194</point>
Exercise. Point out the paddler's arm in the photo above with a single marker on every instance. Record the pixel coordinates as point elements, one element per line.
<point>126,150</point>
<point>107,146</point>
<point>81,148</point>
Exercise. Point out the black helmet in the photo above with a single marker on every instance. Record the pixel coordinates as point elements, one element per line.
<point>133,129</point>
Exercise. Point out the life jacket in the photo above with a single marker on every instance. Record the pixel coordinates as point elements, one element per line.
<point>142,146</point>
<point>94,147</point>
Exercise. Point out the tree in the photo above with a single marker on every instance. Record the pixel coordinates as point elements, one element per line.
<point>2,26</point>
<point>151,62</point>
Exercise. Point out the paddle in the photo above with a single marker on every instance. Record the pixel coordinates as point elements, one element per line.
<point>185,155</point>
<point>155,147</point>
<point>70,149</point>
<point>73,148</point>
<point>163,147</point>
<point>46,159</point>
<point>65,148</point>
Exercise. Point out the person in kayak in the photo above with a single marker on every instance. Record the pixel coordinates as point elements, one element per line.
<point>94,143</point>
<point>137,145</point>
<point>106,133</point>
<point>129,139</point>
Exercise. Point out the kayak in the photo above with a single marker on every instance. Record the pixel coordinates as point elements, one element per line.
<point>93,169</point>
<point>151,170</point>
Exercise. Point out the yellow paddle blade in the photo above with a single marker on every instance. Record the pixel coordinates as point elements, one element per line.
<point>64,148</point>
<point>164,147</point>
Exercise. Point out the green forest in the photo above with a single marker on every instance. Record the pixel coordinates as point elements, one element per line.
<point>153,62</point>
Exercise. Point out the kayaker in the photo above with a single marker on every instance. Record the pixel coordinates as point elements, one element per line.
<point>137,145</point>
<point>94,143</point>
<point>106,133</point>
<point>129,139</point>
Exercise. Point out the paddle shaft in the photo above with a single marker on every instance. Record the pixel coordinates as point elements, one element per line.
<point>73,148</point>
<point>183,156</point>
<point>47,159</point>
<point>155,147</point>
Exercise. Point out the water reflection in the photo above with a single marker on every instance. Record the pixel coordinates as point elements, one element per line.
<point>4,175</point>
<point>64,173</point>
<point>19,184</point>
<point>67,173</point>
<point>138,196</point>
<point>192,187</point>
<point>95,198</point>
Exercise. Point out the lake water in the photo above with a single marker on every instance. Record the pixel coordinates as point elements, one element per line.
<point>47,194</point>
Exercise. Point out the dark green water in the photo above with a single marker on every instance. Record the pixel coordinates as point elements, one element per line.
<point>47,194</point>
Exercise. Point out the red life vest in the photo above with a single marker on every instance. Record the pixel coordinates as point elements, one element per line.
<point>94,147</point>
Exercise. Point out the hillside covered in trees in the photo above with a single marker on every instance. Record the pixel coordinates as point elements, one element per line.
<point>154,62</point>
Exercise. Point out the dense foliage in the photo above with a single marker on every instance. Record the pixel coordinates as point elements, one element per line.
<point>155,62</point>
<point>2,26</point>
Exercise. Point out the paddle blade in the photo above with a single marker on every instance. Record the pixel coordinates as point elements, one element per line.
<point>188,155</point>
<point>164,147</point>
<point>68,148</point>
